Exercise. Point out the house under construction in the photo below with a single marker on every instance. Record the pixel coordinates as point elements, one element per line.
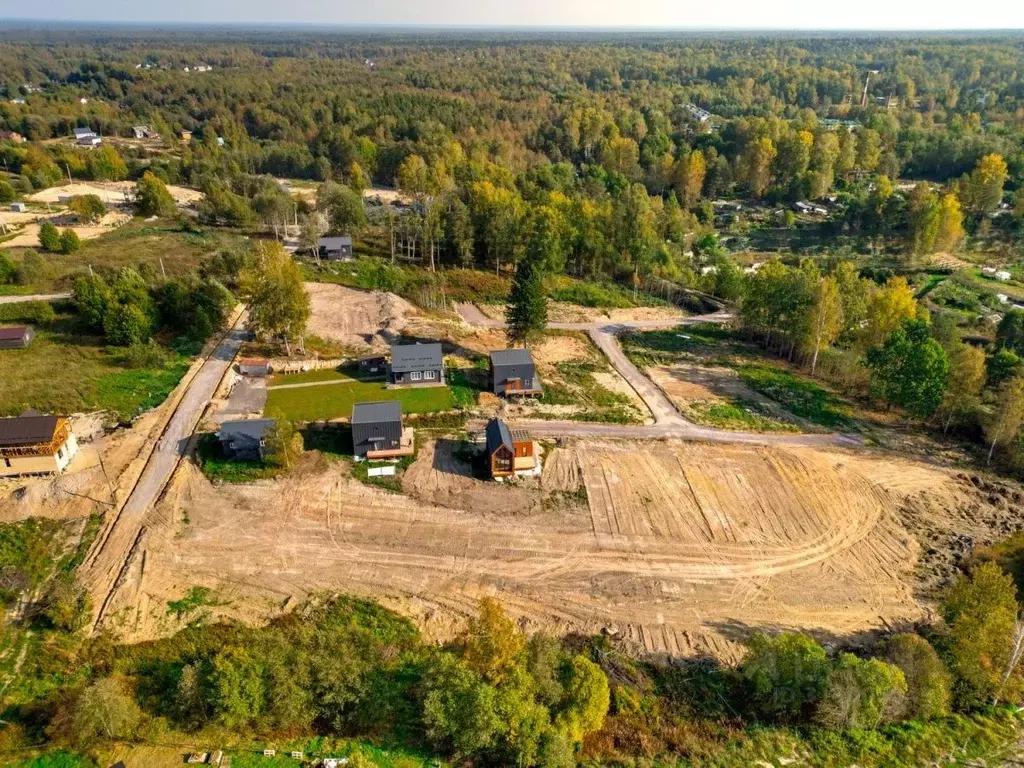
<point>34,444</point>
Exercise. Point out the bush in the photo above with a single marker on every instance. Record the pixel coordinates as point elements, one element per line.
<point>928,685</point>
<point>49,237</point>
<point>126,325</point>
<point>786,673</point>
<point>861,693</point>
<point>7,193</point>
<point>69,241</point>
<point>88,208</point>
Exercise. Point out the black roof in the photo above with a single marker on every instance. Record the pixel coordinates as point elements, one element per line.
<point>252,428</point>
<point>518,356</point>
<point>415,357</point>
<point>498,434</point>
<point>28,429</point>
<point>374,413</point>
<point>335,243</point>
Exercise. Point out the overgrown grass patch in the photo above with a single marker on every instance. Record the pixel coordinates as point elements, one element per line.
<point>318,403</point>
<point>668,346</point>
<point>736,415</point>
<point>800,396</point>
<point>216,467</point>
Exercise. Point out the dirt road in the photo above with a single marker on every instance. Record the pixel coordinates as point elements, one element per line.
<point>113,551</point>
<point>668,422</point>
<point>34,297</point>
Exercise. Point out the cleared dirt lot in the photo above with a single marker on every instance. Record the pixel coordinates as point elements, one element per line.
<point>562,312</point>
<point>681,548</point>
<point>110,192</point>
<point>357,319</point>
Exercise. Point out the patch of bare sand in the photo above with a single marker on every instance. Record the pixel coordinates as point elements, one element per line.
<point>357,319</point>
<point>684,548</point>
<point>110,192</point>
<point>564,312</point>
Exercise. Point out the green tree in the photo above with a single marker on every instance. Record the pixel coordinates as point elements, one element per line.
<point>826,318</point>
<point>92,297</point>
<point>238,687</point>
<point>986,183</point>
<point>7,193</point>
<point>66,604</point>
<point>343,206</point>
<point>1003,424</point>
<point>981,611</point>
<point>459,707</point>
<point>492,643</point>
<point>49,237</point>
<point>278,303</point>
<point>928,684</point>
<point>910,369</point>
<point>922,218</point>
<point>103,710</point>
<point>106,164</point>
<point>1010,333</point>
<point>126,325</point>
<point>755,165</point>
<point>69,241</point>
<point>88,208</point>
<point>966,380</point>
<point>861,693</point>
<point>527,314</point>
<point>585,700</point>
<point>787,674</point>
<point>283,441</point>
<point>152,197</point>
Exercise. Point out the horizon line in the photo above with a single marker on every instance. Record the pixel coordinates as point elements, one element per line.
<point>497,27</point>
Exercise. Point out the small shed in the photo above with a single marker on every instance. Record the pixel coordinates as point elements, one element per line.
<point>336,248</point>
<point>513,372</point>
<point>373,364</point>
<point>416,365</point>
<point>244,440</point>
<point>509,451</point>
<point>377,431</point>
<point>185,135</point>
<point>83,133</point>
<point>254,366</point>
<point>16,336</point>
<point>18,207</point>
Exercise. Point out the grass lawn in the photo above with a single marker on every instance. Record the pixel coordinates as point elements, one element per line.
<point>133,245</point>
<point>738,415</point>
<point>216,467</point>
<point>333,402</point>
<point>345,373</point>
<point>66,371</point>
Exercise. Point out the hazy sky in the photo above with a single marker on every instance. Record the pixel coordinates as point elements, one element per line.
<point>746,14</point>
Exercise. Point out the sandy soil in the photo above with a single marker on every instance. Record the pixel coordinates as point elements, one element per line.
<point>682,548</point>
<point>357,319</point>
<point>111,192</point>
<point>28,237</point>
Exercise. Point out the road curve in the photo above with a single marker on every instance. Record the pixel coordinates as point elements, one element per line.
<point>111,554</point>
<point>668,422</point>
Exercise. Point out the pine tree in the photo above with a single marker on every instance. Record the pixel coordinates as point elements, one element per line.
<point>527,313</point>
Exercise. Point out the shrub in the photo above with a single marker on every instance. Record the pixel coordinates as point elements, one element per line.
<point>69,241</point>
<point>7,193</point>
<point>786,673</point>
<point>928,685</point>
<point>49,237</point>
<point>88,208</point>
<point>126,325</point>
<point>861,693</point>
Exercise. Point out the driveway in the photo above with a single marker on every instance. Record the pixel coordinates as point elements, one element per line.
<point>111,555</point>
<point>34,297</point>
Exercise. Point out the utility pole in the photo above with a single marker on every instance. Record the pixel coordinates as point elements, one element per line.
<point>162,270</point>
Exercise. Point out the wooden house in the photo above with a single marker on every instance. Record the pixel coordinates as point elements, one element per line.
<point>513,373</point>
<point>509,451</point>
<point>34,444</point>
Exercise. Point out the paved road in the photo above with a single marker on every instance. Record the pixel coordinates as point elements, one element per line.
<point>668,422</point>
<point>34,297</point>
<point>111,556</point>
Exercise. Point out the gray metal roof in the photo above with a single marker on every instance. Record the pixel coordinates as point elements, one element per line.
<point>374,413</point>
<point>415,357</point>
<point>81,133</point>
<point>518,356</point>
<point>335,243</point>
<point>252,428</point>
<point>498,434</point>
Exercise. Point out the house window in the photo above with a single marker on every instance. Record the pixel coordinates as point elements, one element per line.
<point>415,375</point>
<point>60,453</point>
<point>528,383</point>
<point>428,375</point>
<point>7,462</point>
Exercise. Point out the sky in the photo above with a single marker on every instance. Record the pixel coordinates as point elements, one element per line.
<point>684,14</point>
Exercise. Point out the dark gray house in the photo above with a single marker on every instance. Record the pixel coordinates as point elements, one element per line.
<point>16,337</point>
<point>377,431</point>
<point>244,440</point>
<point>514,373</point>
<point>339,248</point>
<point>416,365</point>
